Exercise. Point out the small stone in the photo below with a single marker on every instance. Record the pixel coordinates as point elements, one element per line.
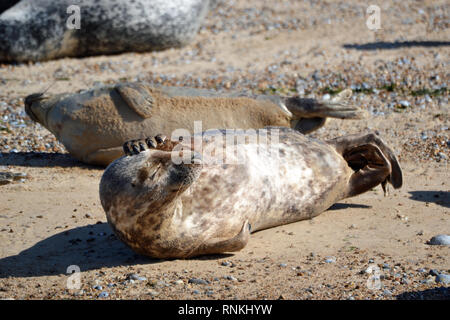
<point>162,284</point>
<point>230,278</point>
<point>443,278</point>
<point>198,281</point>
<point>179,282</point>
<point>97,287</point>
<point>135,277</point>
<point>386,266</point>
<point>428,281</point>
<point>434,272</point>
<point>404,103</point>
<point>283,265</point>
<point>386,292</point>
<point>330,259</point>
<point>87,215</point>
<point>6,178</point>
<point>196,292</point>
<point>421,270</point>
<point>209,293</point>
<point>440,240</point>
<point>103,294</point>
<point>153,293</point>
<point>79,293</point>
<point>226,263</point>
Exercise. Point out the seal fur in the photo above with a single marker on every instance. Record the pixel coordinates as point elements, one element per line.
<point>94,124</point>
<point>166,209</point>
<point>39,30</point>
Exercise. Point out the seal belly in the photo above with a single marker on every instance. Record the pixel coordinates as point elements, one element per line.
<point>304,183</point>
<point>275,184</point>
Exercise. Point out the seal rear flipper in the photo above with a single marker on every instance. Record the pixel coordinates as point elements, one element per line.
<point>372,161</point>
<point>338,107</point>
<point>137,97</point>
<point>236,243</point>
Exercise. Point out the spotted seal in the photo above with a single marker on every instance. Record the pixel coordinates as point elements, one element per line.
<point>38,30</point>
<point>94,124</point>
<point>167,208</point>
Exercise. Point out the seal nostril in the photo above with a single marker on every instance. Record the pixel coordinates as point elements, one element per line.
<point>29,100</point>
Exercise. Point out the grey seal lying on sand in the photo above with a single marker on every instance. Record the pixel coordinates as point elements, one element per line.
<point>165,208</point>
<point>94,124</point>
<point>37,30</point>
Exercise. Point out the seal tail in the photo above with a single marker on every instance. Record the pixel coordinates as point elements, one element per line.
<point>372,161</point>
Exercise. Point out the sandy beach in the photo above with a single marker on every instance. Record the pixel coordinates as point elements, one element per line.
<point>51,217</point>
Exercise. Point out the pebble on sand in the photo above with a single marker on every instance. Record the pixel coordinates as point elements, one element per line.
<point>441,240</point>
<point>443,278</point>
<point>330,260</point>
<point>8,177</point>
<point>135,277</point>
<point>198,281</point>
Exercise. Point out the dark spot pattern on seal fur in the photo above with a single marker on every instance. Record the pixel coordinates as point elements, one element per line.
<point>204,207</point>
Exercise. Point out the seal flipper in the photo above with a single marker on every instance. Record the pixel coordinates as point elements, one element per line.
<point>310,114</point>
<point>372,161</point>
<point>103,157</point>
<point>137,97</point>
<point>236,243</point>
<point>307,125</point>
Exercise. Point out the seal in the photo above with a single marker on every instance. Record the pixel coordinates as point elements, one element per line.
<point>209,202</point>
<point>6,4</point>
<point>94,124</point>
<point>39,30</point>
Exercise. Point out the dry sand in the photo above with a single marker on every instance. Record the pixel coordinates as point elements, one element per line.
<point>53,219</point>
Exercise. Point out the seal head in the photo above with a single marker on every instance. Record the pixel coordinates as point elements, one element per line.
<point>36,108</point>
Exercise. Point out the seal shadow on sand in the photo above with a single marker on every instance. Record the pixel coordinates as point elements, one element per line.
<point>340,206</point>
<point>441,293</point>
<point>395,45</point>
<point>89,247</point>
<point>41,159</point>
<point>441,198</point>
